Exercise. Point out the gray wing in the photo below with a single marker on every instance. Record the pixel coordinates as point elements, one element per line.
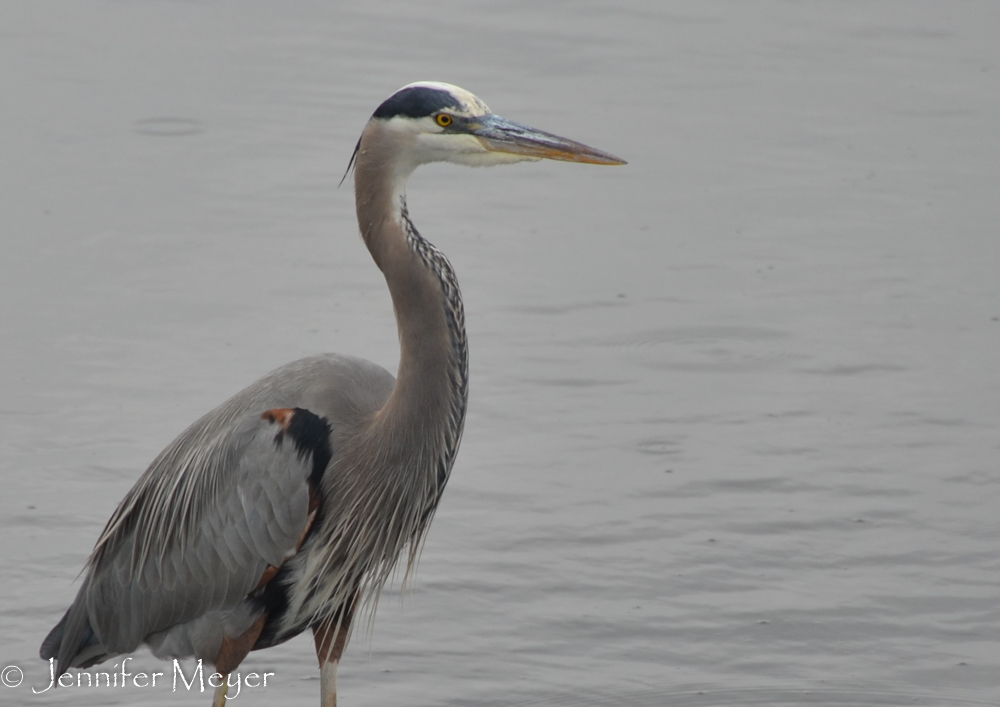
<point>224,501</point>
<point>197,540</point>
<point>202,539</point>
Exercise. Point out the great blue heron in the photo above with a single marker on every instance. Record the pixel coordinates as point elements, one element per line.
<point>286,507</point>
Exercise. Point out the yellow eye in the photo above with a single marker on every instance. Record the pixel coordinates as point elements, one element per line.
<point>443,119</point>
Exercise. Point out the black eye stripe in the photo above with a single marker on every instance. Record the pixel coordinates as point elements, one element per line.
<point>416,102</point>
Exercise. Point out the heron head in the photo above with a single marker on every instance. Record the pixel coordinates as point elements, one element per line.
<point>438,122</point>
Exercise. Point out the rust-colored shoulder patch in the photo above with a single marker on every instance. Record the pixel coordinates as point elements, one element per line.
<point>283,416</point>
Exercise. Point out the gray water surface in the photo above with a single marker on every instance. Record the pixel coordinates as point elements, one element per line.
<point>734,427</point>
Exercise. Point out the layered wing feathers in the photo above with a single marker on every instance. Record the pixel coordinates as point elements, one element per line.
<point>227,498</point>
<point>244,503</point>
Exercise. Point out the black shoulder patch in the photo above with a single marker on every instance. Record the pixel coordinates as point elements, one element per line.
<point>416,102</point>
<point>311,435</point>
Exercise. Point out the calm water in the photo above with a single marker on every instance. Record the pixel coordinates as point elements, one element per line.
<point>735,421</point>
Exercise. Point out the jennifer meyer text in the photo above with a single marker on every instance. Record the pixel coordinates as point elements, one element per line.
<point>120,677</point>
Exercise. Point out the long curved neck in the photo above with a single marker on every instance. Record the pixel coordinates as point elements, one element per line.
<point>426,410</point>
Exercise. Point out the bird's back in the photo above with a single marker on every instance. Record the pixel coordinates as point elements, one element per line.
<point>344,390</point>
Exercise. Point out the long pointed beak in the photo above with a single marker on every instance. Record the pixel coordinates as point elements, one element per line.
<point>501,135</point>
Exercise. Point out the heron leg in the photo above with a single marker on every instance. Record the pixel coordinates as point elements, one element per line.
<point>331,638</point>
<point>328,683</point>
<point>231,654</point>
<point>220,693</point>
